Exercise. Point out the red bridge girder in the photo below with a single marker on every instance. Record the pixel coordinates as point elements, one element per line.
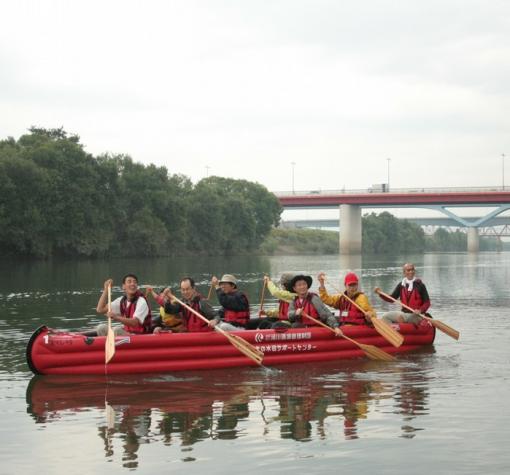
<point>392,199</point>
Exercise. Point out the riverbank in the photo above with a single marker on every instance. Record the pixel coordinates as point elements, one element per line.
<point>300,241</point>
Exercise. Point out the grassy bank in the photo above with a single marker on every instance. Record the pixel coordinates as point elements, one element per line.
<point>300,241</point>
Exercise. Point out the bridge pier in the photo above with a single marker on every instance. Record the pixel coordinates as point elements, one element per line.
<point>350,229</point>
<point>473,240</point>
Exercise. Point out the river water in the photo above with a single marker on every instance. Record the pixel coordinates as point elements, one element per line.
<point>442,410</point>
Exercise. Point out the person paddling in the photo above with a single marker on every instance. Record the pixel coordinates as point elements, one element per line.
<point>411,292</point>
<point>196,301</point>
<point>349,313</point>
<point>170,317</point>
<point>235,311</point>
<point>278,317</point>
<point>132,309</point>
<point>308,303</point>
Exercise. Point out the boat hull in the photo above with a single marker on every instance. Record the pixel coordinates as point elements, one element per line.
<point>57,352</point>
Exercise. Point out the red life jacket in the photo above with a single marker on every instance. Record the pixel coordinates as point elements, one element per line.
<point>128,312</point>
<point>283,310</point>
<point>308,308</point>
<point>350,314</point>
<point>193,323</point>
<point>411,299</point>
<point>238,317</point>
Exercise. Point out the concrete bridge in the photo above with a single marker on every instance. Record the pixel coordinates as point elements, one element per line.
<point>429,224</point>
<point>351,203</point>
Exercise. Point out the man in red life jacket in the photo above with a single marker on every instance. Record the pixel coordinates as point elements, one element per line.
<point>236,308</point>
<point>411,292</point>
<point>132,309</point>
<point>308,303</point>
<point>349,313</point>
<point>197,302</point>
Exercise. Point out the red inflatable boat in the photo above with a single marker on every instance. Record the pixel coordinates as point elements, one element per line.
<point>57,352</point>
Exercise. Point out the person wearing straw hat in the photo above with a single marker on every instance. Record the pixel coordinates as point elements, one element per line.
<point>308,303</point>
<point>349,313</point>
<point>411,292</point>
<point>132,309</point>
<point>235,311</point>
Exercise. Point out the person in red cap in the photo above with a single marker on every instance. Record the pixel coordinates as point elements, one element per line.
<point>349,313</point>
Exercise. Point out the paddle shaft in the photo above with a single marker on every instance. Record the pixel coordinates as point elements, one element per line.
<point>433,321</point>
<point>110,336</point>
<point>319,322</point>
<point>192,310</point>
<point>262,295</point>
<point>383,328</point>
<point>369,350</point>
<point>402,304</point>
<point>231,338</point>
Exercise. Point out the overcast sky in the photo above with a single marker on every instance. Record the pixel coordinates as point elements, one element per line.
<point>247,87</point>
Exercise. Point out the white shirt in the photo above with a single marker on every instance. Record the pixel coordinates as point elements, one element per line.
<point>141,309</point>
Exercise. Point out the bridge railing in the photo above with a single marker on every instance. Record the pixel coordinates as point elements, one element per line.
<point>363,191</point>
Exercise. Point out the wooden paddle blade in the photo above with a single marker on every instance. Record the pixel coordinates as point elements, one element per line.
<point>246,348</point>
<point>109,349</point>
<point>370,350</point>
<point>110,416</point>
<point>242,345</point>
<point>376,353</point>
<point>444,328</point>
<point>388,332</point>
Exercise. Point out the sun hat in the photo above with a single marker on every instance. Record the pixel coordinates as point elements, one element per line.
<point>299,277</point>
<point>228,279</point>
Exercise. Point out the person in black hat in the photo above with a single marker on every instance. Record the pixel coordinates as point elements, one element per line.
<point>308,303</point>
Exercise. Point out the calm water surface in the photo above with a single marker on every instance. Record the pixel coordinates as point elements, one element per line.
<point>442,410</point>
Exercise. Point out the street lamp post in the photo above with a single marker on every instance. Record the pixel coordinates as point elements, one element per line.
<point>389,160</point>
<point>503,171</point>
<point>293,165</point>
<point>207,171</point>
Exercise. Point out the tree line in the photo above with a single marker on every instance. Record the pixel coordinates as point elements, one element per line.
<point>384,233</point>
<point>58,200</point>
<point>381,234</point>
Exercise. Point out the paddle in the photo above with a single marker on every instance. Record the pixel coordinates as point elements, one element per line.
<point>109,349</point>
<point>210,292</point>
<point>242,345</point>
<point>262,295</point>
<point>383,328</point>
<point>436,323</point>
<point>371,351</point>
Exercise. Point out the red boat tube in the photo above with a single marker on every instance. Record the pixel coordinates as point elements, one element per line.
<point>57,352</point>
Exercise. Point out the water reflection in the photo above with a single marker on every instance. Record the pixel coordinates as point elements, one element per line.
<point>301,404</point>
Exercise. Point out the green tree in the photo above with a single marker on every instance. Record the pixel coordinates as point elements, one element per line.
<point>228,215</point>
<point>385,234</point>
<point>56,199</point>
